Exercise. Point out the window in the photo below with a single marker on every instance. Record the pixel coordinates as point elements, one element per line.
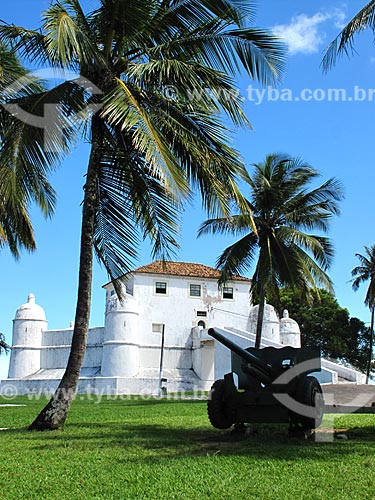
<point>201,324</point>
<point>227,292</point>
<point>202,314</point>
<point>161,287</point>
<point>112,293</point>
<point>195,290</point>
<point>157,327</point>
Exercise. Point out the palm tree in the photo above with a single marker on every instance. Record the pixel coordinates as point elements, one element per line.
<point>20,180</point>
<point>366,272</point>
<point>344,42</point>
<point>283,208</point>
<point>3,345</point>
<point>157,74</point>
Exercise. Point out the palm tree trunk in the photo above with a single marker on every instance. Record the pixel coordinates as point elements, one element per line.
<point>262,301</point>
<point>53,416</point>
<point>371,345</point>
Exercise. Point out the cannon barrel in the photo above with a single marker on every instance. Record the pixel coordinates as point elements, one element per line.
<point>258,368</point>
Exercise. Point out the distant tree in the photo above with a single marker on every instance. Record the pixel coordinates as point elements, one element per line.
<point>344,42</point>
<point>284,209</point>
<point>328,326</point>
<point>366,273</point>
<point>3,345</point>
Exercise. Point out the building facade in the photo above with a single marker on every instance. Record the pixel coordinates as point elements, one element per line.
<point>156,336</point>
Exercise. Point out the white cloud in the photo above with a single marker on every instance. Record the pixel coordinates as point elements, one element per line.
<point>305,34</point>
<point>339,18</point>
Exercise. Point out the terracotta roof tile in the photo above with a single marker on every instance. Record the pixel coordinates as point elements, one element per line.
<point>183,269</point>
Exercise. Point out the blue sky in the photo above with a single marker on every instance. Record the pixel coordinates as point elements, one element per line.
<point>336,137</point>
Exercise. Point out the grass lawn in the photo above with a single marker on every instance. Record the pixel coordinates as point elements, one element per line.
<point>162,449</point>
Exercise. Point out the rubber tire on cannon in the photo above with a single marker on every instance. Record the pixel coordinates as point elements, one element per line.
<point>309,393</point>
<point>216,407</point>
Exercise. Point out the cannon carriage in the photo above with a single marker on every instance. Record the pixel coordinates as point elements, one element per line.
<point>267,385</point>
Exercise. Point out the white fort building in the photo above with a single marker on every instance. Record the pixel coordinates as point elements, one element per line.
<point>159,331</point>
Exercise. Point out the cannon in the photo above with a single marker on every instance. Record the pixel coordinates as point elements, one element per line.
<point>269,385</point>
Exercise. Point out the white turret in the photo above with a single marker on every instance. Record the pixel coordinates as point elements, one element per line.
<point>121,337</point>
<point>28,325</point>
<point>289,331</point>
<point>271,323</point>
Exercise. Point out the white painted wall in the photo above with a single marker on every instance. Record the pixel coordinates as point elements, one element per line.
<point>122,338</point>
<point>28,325</point>
<point>178,311</point>
<point>55,348</point>
<point>125,354</point>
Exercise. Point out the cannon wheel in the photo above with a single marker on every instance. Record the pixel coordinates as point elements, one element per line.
<point>216,407</point>
<point>309,393</point>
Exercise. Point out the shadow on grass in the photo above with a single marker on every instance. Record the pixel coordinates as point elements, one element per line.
<point>161,430</point>
<point>156,443</point>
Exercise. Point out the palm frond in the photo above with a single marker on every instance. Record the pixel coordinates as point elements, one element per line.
<point>320,247</point>
<point>192,82</point>
<point>237,258</point>
<point>3,345</point>
<point>315,276</point>
<point>196,11</point>
<point>315,208</point>
<point>282,208</point>
<point>260,53</point>
<point>38,133</point>
<point>235,224</point>
<point>30,44</point>
<point>123,109</point>
<point>11,70</point>
<point>344,42</point>
<point>79,14</point>
<point>188,146</point>
<point>366,272</point>
<point>199,141</point>
<point>22,179</point>
<point>16,229</point>
<point>121,25</point>
<point>33,142</point>
<point>134,204</point>
<point>67,42</point>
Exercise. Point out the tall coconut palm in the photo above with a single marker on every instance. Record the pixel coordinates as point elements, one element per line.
<point>344,42</point>
<point>20,180</point>
<point>365,272</point>
<point>155,75</point>
<point>283,208</point>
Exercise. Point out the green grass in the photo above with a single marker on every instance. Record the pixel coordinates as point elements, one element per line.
<point>162,449</point>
